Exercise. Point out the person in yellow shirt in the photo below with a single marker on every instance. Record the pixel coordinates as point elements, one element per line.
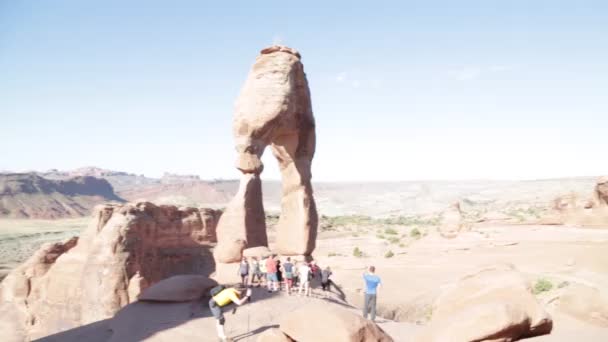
<point>223,299</point>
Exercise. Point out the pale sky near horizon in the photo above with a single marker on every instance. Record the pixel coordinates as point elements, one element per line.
<point>401,90</point>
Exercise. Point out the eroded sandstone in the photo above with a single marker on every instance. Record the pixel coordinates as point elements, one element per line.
<point>274,109</point>
<point>125,249</point>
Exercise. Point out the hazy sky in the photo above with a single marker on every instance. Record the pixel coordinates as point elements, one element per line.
<point>401,90</point>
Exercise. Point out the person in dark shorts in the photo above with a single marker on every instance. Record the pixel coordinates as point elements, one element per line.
<point>288,274</point>
<point>325,281</point>
<point>279,273</point>
<point>244,271</point>
<point>222,299</point>
<point>256,272</point>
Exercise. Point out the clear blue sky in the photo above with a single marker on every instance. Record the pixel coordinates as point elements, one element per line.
<point>401,90</point>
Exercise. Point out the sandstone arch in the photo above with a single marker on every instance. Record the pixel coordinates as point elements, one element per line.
<point>274,109</point>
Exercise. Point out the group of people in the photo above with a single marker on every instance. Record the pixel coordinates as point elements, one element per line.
<point>291,274</point>
<point>273,274</point>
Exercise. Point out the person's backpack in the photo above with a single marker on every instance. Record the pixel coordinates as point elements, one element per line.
<point>216,290</point>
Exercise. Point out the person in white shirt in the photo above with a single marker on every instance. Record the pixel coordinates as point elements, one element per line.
<point>304,274</point>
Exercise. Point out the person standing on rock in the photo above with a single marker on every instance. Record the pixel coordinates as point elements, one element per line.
<point>304,274</point>
<point>271,274</point>
<point>288,274</point>
<point>256,272</point>
<point>325,281</point>
<point>315,275</point>
<point>222,297</point>
<point>372,282</point>
<point>263,270</point>
<point>244,271</point>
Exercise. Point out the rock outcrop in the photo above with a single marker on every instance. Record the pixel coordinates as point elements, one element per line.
<point>125,249</point>
<point>192,321</point>
<point>571,209</point>
<point>495,304</point>
<point>451,221</point>
<point>273,335</point>
<point>274,108</point>
<point>28,195</point>
<point>601,192</point>
<point>585,303</point>
<point>330,323</point>
<point>179,288</point>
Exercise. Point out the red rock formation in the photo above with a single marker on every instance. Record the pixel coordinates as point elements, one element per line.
<point>495,304</point>
<point>451,221</point>
<point>330,323</point>
<point>601,192</point>
<point>571,210</point>
<point>125,249</point>
<point>274,108</point>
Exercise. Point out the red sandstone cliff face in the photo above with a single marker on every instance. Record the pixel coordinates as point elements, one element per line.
<point>125,249</point>
<point>28,195</point>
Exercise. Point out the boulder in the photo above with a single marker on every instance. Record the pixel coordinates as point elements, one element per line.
<point>585,303</point>
<point>258,252</point>
<point>495,304</point>
<point>571,209</point>
<point>125,249</point>
<point>451,221</point>
<point>179,288</point>
<point>273,335</point>
<point>274,109</point>
<point>601,192</point>
<point>317,322</point>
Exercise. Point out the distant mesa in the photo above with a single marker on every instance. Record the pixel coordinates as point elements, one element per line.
<point>92,171</point>
<point>56,194</point>
<point>169,178</point>
<point>28,195</point>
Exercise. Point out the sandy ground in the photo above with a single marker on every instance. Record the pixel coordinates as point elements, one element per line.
<point>419,266</point>
<point>417,271</point>
<point>19,239</point>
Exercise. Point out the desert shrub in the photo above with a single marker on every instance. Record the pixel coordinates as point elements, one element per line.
<point>272,219</point>
<point>563,284</point>
<point>542,285</point>
<point>357,252</point>
<point>390,231</point>
<point>341,221</point>
<point>393,239</point>
<point>380,236</point>
<point>412,221</point>
<point>389,254</point>
<point>355,235</point>
<point>333,254</point>
<point>402,245</point>
<point>415,233</point>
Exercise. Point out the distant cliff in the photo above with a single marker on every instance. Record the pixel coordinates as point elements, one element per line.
<point>28,195</point>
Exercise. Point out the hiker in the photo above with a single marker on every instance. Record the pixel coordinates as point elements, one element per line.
<point>372,283</point>
<point>314,275</point>
<point>263,270</point>
<point>220,298</point>
<point>304,274</point>
<point>288,270</point>
<point>256,272</point>
<point>271,274</point>
<point>244,271</point>
<point>325,281</point>
<point>279,272</point>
